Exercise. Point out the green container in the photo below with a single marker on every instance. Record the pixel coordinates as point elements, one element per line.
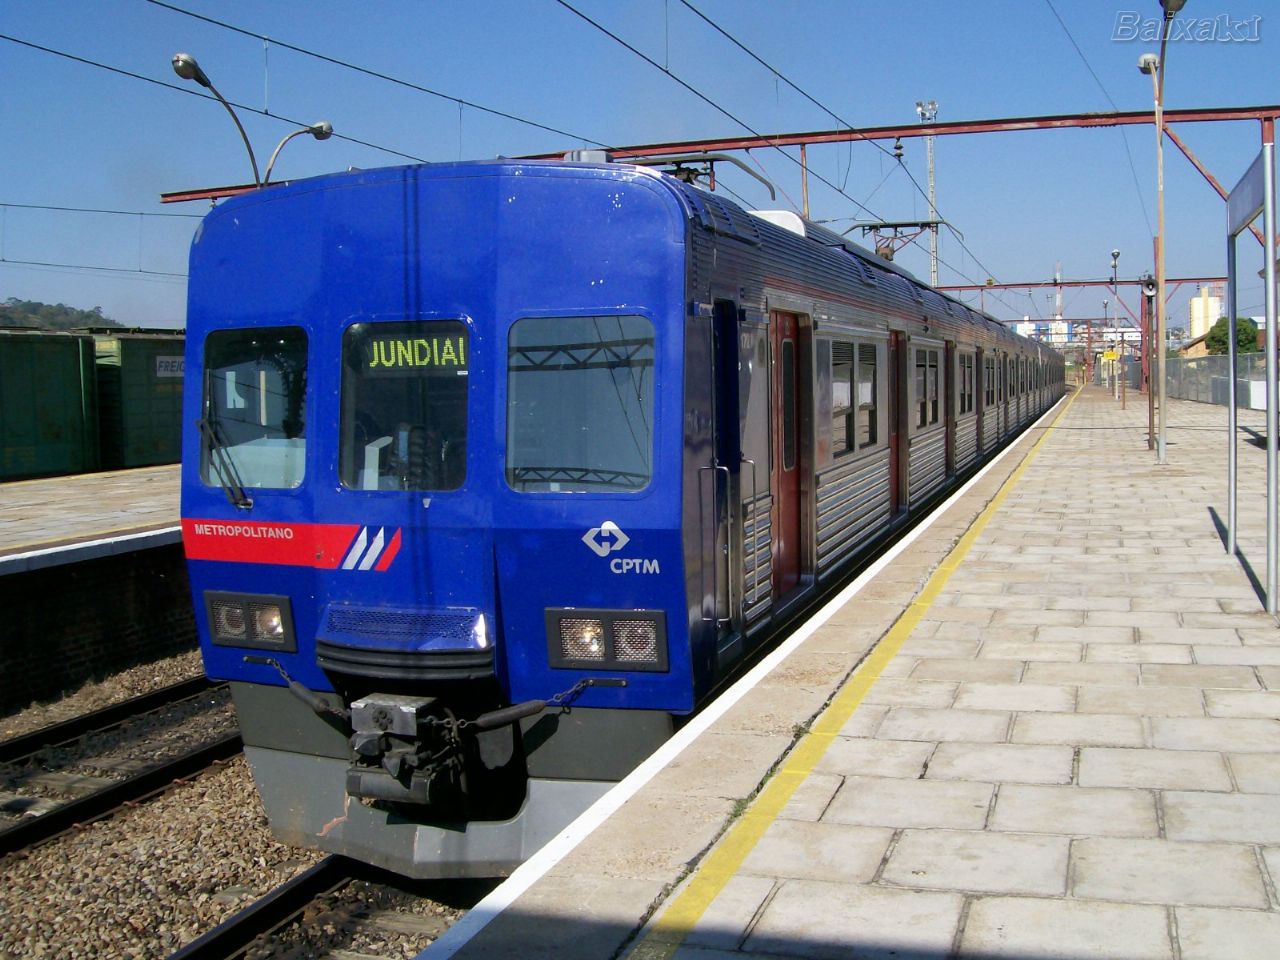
<point>48,407</point>
<point>140,398</point>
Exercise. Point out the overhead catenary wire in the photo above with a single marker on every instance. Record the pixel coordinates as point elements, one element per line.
<point>194,93</point>
<point>144,274</point>
<point>1114,106</point>
<point>399,81</point>
<point>778,74</point>
<point>118,213</point>
<point>738,120</point>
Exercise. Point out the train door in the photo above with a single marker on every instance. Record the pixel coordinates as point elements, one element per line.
<point>980,396</point>
<point>949,404</point>
<point>784,479</point>
<point>897,426</point>
<point>726,461</point>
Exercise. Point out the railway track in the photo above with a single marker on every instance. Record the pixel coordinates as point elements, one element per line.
<point>44,789</point>
<point>337,904</point>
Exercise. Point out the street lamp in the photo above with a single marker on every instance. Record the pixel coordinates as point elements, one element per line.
<point>322,130</point>
<point>1150,64</point>
<point>185,66</point>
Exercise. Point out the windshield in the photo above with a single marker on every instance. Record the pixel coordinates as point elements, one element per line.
<point>254,403</point>
<point>404,405</point>
<point>580,404</point>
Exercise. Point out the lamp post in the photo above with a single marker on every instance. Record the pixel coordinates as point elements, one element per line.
<point>185,66</point>
<point>322,130</point>
<point>1154,65</point>
<point>928,112</point>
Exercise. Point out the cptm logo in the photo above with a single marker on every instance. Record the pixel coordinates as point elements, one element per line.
<point>608,538</point>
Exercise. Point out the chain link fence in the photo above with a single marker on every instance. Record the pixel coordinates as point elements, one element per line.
<point>1205,379</point>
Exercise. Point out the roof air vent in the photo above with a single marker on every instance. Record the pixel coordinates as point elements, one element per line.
<point>782,218</point>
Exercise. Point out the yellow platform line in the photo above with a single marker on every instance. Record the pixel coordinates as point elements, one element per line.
<point>720,866</point>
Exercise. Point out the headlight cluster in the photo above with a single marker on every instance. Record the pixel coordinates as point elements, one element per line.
<point>243,620</point>
<point>617,639</point>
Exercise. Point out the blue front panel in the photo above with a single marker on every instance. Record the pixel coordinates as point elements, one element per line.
<point>484,246</point>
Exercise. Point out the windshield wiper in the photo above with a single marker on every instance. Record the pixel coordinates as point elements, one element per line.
<point>224,466</point>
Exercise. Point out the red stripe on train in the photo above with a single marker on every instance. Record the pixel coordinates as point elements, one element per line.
<point>318,545</point>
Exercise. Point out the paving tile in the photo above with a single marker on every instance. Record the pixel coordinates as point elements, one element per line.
<point>804,850</point>
<point>1141,620</point>
<point>717,764</point>
<point>1075,811</point>
<point>866,720</point>
<point>935,647</point>
<point>1015,697</point>
<point>988,671</point>
<point>1082,674</point>
<point>1152,769</point>
<point>1022,928</point>
<point>1198,675</point>
<point>975,615</point>
<point>1150,870</point>
<point>1030,650</point>
<point>641,844</point>
<point>811,799</point>
<point>923,723</point>
<point>1001,763</point>
<point>1079,729</point>
<point>601,911</point>
<point>1250,655</point>
<point>1082,634</point>
<point>979,861</point>
<point>1256,772</point>
<point>810,919</point>
<point>912,693</point>
<point>884,802</point>
<point>1199,638</point>
<point>849,756</point>
<point>1137,653</point>
<point>1141,702</point>
<point>1270,676</point>
<point>773,709</point>
<point>1203,733</point>
<point>726,920</point>
<point>1224,817</point>
<point>1040,618</point>
<point>1206,933</point>
<point>1260,620</point>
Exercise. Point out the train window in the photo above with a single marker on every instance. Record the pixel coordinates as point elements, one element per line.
<point>580,393</point>
<point>404,405</point>
<point>988,381</point>
<point>843,387</point>
<point>966,383</point>
<point>926,387</point>
<point>867,393</point>
<point>254,427</point>
<point>788,404</point>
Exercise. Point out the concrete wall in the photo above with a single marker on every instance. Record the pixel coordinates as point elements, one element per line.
<point>62,626</point>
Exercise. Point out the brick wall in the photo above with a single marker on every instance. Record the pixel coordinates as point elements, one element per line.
<point>62,626</point>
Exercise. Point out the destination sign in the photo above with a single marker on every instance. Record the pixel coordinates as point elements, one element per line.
<point>405,356</point>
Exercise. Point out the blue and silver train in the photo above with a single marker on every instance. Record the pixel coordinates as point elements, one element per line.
<point>495,471</point>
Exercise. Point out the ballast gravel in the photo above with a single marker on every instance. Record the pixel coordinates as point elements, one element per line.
<point>102,693</point>
<point>152,878</point>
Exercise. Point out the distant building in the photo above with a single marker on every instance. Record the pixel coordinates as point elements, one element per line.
<point>1206,308</point>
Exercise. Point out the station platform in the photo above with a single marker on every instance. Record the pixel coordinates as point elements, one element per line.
<point>63,520</point>
<point>1046,727</point>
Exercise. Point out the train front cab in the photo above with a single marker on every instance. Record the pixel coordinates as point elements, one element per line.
<point>444,510</point>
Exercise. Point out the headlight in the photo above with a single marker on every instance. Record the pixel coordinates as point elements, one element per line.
<point>269,622</point>
<point>614,639</point>
<point>246,620</point>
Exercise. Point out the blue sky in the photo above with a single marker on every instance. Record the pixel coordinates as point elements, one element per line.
<point>76,135</point>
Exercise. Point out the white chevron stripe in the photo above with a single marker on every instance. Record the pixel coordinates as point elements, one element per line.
<point>375,551</point>
<point>353,555</point>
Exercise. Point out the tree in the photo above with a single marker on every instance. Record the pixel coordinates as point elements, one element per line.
<point>1217,340</point>
<point>33,313</point>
